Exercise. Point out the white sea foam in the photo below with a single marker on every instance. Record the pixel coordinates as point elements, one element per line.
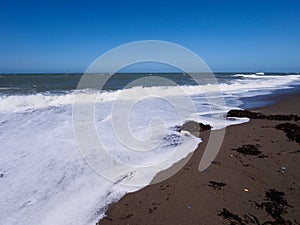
<point>45,179</point>
<point>254,85</point>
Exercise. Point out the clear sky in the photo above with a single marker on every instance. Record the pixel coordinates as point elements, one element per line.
<point>66,36</point>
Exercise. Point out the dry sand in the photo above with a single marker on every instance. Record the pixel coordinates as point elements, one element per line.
<point>188,198</point>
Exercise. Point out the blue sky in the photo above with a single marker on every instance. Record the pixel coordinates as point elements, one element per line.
<point>66,36</point>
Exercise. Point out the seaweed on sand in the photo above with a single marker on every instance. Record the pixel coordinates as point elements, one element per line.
<point>252,150</point>
<point>292,131</point>
<point>275,205</point>
<point>216,184</point>
<point>255,115</point>
<point>238,220</point>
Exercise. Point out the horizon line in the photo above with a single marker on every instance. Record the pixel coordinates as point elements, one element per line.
<point>136,72</point>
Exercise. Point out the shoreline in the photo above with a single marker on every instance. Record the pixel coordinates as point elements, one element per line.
<point>230,187</point>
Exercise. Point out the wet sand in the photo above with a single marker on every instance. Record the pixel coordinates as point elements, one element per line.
<point>260,187</point>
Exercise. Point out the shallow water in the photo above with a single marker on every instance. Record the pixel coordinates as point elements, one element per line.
<point>45,178</point>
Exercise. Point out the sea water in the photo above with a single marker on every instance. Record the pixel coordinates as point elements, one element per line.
<point>44,178</point>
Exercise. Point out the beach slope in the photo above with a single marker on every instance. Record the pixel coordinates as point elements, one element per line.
<point>254,180</point>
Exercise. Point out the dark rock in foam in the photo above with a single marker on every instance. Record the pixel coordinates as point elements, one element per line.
<point>195,128</point>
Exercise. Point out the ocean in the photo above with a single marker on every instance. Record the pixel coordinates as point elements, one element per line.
<point>44,178</point>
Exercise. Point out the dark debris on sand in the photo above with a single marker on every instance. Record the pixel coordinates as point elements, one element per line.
<point>216,185</point>
<point>292,131</point>
<point>252,150</point>
<point>255,115</point>
<point>275,205</point>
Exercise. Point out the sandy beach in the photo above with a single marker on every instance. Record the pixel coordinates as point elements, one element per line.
<point>253,180</point>
<point>114,112</point>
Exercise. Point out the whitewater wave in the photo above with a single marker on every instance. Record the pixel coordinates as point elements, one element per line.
<point>249,87</point>
<point>44,178</point>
